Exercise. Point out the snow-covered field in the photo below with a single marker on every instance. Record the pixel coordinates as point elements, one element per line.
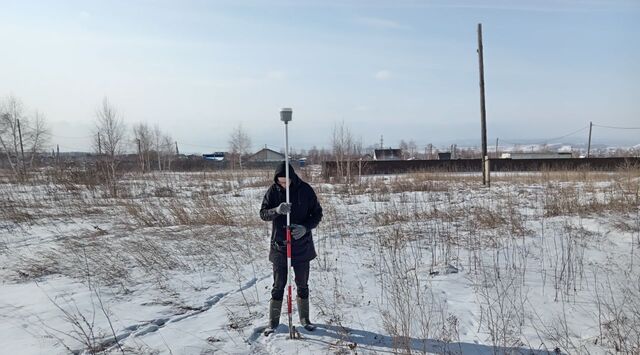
<point>417,263</point>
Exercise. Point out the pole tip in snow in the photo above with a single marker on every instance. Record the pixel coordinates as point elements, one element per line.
<point>286,115</point>
<point>294,334</point>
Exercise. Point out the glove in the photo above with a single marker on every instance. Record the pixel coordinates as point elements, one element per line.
<point>298,231</point>
<point>284,208</point>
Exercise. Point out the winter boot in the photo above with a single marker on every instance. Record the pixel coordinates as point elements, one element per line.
<point>275,308</point>
<point>303,311</point>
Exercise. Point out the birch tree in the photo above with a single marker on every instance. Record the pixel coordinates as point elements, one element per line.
<point>21,134</point>
<point>239,144</point>
<point>110,135</point>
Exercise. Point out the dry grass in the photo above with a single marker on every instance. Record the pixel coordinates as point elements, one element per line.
<point>201,209</point>
<point>161,223</point>
<point>619,315</point>
<point>566,201</point>
<point>412,225</point>
<point>545,176</point>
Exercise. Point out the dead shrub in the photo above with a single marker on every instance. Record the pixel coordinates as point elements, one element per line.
<point>568,201</point>
<point>387,218</point>
<point>619,315</point>
<point>155,257</point>
<point>34,267</point>
<point>15,214</point>
<point>164,191</point>
<point>145,214</point>
<point>627,225</point>
<point>202,209</point>
<point>83,257</point>
<point>210,211</point>
<point>102,259</point>
<point>73,177</point>
<point>487,218</point>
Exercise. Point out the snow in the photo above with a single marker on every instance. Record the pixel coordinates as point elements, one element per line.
<point>565,149</point>
<point>427,263</point>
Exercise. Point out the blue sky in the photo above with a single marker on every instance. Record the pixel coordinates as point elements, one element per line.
<point>402,69</point>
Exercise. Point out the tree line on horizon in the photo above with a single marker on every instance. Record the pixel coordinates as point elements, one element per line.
<point>24,135</point>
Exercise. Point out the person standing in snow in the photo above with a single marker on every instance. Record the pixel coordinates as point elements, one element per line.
<point>306,214</point>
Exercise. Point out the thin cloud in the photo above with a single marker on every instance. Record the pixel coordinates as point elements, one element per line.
<point>382,75</point>
<point>84,15</point>
<point>379,23</point>
<point>276,75</point>
<point>537,6</point>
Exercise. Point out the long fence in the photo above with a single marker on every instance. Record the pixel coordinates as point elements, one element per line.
<point>365,167</point>
<point>372,167</point>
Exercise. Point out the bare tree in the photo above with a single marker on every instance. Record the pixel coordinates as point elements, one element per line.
<point>157,135</point>
<point>20,133</point>
<point>314,155</point>
<point>143,137</point>
<point>340,142</point>
<point>413,148</point>
<point>10,112</point>
<point>153,146</point>
<point>110,135</point>
<point>168,153</point>
<point>37,135</point>
<point>345,148</point>
<point>317,156</point>
<point>239,144</point>
<point>409,149</point>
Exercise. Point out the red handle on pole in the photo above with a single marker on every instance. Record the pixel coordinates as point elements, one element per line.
<point>289,306</point>
<point>288,242</point>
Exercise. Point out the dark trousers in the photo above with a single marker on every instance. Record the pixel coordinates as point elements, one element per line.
<point>301,272</point>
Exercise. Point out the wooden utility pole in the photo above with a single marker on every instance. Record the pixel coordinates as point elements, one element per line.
<point>157,151</point>
<point>24,171</point>
<point>483,113</point>
<point>497,156</point>
<point>140,156</point>
<point>177,151</point>
<point>589,145</point>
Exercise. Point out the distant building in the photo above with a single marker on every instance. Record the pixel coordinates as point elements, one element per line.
<point>387,154</point>
<point>266,155</point>
<point>217,156</point>
<point>539,155</point>
<point>444,156</point>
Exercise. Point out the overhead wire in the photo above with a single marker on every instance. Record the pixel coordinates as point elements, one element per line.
<point>613,127</point>
<point>544,141</point>
<point>131,144</point>
<point>568,134</point>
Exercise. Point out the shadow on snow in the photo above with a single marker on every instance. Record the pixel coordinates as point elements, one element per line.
<point>356,338</point>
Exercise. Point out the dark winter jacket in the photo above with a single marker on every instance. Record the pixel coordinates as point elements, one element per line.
<point>305,210</point>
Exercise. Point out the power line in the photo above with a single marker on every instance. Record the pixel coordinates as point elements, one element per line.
<point>613,127</point>
<point>549,139</point>
<point>569,134</point>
